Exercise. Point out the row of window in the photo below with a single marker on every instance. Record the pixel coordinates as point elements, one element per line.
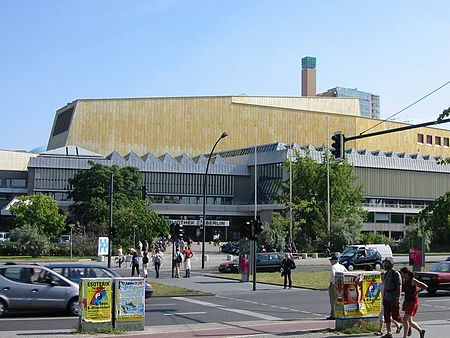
<point>13,183</point>
<point>395,203</point>
<point>389,217</point>
<point>428,139</point>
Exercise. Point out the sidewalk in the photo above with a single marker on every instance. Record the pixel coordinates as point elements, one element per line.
<point>302,329</point>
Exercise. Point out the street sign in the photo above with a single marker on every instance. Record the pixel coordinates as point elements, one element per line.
<point>103,243</point>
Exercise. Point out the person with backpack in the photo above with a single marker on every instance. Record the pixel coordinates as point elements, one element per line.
<point>287,265</point>
<point>157,261</point>
<point>391,296</point>
<point>177,259</point>
<point>135,260</point>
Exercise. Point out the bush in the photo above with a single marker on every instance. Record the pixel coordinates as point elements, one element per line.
<point>84,246</point>
<point>59,249</point>
<point>29,241</point>
<point>9,249</point>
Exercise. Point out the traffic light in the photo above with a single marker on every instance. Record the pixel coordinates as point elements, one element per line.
<point>177,230</point>
<point>246,230</point>
<point>258,226</point>
<point>338,144</point>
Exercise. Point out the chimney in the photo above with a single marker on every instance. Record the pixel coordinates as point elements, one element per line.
<point>309,76</point>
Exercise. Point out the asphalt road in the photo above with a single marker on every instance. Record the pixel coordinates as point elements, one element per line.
<point>232,302</point>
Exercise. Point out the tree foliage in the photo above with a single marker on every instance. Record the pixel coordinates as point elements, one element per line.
<point>40,212</point>
<point>309,191</point>
<point>91,191</point>
<point>436,218</point>
<point>30,241</point>
<point>274,234</point>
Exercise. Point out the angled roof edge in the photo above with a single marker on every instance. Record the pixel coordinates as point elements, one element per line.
<point>72,151</point>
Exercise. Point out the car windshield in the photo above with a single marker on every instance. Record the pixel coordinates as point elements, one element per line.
<point>350,251</point>
<point>441,267</point>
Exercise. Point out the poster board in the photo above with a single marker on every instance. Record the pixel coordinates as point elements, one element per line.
<point>96,300</point>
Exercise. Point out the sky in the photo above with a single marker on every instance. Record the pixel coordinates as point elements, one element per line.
<point>54,52</point>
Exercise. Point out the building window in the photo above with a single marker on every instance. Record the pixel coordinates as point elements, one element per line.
<point>437,141</point>
<point>420,138</point>
<point>446,142</point>
<point>397,218</point>
<point>381,217</point>
<point>429,139</point>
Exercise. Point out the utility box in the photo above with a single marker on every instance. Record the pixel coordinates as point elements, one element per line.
<point>129,309</point>
<point>96,304</point>
<point>354,295</point>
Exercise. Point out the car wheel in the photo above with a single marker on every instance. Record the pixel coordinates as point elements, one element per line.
<point>377,266</point>
<point>431,291</point>
<point>351,267</point>
<point>3,308</point>
<point>73,307</point>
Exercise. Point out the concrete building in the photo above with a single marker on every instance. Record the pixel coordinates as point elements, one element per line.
<point>396,186</point>
<point>369,104</point>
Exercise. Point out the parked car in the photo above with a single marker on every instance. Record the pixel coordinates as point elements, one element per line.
<point>438,278</point>
<point>27,287</point>
<point>265,262</point>
<point>361,257</point>
<point>4,236</point>
<point>76,271</point>
<point>230,247</point>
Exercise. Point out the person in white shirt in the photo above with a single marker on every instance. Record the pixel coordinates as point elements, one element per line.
<point>335,267</point>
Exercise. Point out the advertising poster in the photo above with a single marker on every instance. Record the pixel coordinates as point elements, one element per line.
<point>355,293</point>
<point>130,299</point>
<point>96,299</point>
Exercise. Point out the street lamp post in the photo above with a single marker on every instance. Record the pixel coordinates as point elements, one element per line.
<point>134,235</point>
<point>205,176</point>
<point>71,225</point>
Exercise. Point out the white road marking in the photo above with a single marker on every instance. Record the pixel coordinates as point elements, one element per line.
<point>437,300</point>
<point>240,311</point>
<point>184,313</point>
<point>162,304</point>
<point>250,313</point>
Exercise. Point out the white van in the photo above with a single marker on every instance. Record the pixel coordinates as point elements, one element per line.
<point>384,249</point>
<point>4,236</point>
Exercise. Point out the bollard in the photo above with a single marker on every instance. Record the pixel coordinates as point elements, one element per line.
<point>206,258</point>
<point>315,255</point>
<point>229,257</point>
<point>304,255</point>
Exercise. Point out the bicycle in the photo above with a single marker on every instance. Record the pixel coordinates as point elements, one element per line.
<point>122,261</point>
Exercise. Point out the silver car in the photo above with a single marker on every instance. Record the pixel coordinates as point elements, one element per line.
<point>27,287</point>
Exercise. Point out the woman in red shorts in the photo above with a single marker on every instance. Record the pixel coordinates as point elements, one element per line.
<point>411,287</point>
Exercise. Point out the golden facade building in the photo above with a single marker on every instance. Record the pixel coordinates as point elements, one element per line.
<point>191,125</point>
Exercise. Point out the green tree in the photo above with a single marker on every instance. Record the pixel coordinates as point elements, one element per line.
<point>40,212</point>
<point>30,241</point>
<point>436,218</point>
<point>274,233</point>
<point>309,191</point>
<point>91,189</point>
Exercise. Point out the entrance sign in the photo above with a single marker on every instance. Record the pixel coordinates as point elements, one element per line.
<point>199,222</point>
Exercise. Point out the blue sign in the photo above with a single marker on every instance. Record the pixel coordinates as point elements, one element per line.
<point>103,243</point>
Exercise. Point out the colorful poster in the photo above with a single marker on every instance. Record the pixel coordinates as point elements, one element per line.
<point>355,293</point>
<point>130,299</point>
<point>96,299</point>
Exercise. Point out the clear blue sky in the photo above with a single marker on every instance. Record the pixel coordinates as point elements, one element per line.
<point>53,52</point>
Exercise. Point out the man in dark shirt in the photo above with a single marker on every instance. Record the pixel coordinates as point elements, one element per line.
<point>391,297</point>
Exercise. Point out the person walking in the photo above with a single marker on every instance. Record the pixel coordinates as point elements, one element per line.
<point>145,264</point>
<point>120,255</point>
<point>177,260</point>
<point>135,258</point>
<point>157,261</point>
<point>391,299</point>
<point>379,292</point>
<point>287,264</point>
<point>335,267</point>
<point>411,287</point>
<point>187,253</point>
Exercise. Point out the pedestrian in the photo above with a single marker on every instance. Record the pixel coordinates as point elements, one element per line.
<point>411,287</point>
<point>120,255</point>
<point>379,292</point>
<point>146,246</point>
<point>287,264</point>
<point>335,267</point>
<point>140,246</point>
<point>157,261</point>
<point>145,264</point>
<point>187,253</point>
<point>177,260</point>
<point>135,258</point>
<point>391,299</point>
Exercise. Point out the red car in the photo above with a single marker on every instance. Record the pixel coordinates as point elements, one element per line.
<point>438,278</point>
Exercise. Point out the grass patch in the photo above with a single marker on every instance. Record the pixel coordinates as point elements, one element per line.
<point>311,279</point>
<point>163,290</point>
<point>361,327</point>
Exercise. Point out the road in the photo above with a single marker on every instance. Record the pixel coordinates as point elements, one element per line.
<point>233,302</point>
